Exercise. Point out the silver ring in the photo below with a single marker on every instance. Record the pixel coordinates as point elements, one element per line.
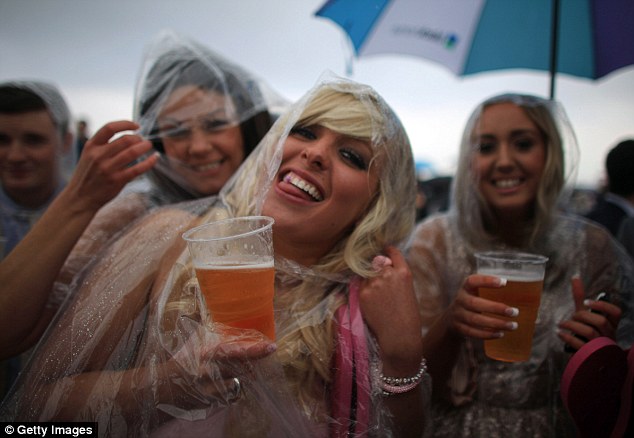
<point>237,391</point>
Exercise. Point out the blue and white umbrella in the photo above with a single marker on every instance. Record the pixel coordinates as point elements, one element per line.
<point>584,38</point>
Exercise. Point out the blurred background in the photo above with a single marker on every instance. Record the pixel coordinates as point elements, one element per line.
<point>92,50</point>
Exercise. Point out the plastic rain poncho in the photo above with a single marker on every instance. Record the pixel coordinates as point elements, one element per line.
<point>126,350</point>
<point>181,84</point>
<point>169,104</point>
<point>484,397</point>
<point>15,219</point>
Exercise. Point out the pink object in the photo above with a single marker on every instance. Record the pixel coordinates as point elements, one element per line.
<point>596,389</point>
<point>351,385</point>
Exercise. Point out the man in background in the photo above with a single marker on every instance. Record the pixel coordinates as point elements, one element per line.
<point>617,203</point>
<point>34,136</point>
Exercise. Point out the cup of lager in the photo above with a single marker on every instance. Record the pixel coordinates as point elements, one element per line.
<point>525,280</point>
<point>233,260</point>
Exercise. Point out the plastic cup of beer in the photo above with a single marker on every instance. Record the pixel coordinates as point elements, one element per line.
<point>233,260</point>
<point>525,281</point>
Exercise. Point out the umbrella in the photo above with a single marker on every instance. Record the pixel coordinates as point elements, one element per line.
<point>583,38</point>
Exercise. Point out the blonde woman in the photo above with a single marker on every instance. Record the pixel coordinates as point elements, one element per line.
<point>516,166</point>
<point>133,352</point>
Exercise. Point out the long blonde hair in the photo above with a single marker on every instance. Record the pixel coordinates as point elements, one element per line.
<point>474,217</point>
<point>358,111</point>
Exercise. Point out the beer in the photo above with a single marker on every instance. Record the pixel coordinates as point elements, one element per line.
<point>240,295</point>
<point>523,292</point>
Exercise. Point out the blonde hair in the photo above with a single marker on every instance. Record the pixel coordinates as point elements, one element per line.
<point>472,212</point>
<point>358,111</point>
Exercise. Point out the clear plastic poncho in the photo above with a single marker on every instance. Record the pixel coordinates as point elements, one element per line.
<point>16,220</point>
<point>133,351</point>
<point>484,397</point>
<point>182,85</point>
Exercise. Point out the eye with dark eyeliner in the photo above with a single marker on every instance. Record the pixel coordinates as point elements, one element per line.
<point>354,158</point>
<point>304,131</point>
<point>524,144</point>
<point>485,147</point>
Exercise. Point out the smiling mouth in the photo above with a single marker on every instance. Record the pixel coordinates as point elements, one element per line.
<point>507,183</point>
<point>203,168</point>
<point>303,185</point>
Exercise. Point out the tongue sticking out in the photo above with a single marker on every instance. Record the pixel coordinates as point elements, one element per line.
<point>304,186</point>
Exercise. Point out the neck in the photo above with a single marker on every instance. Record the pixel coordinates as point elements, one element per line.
<point>31,199</point>
<point>512,229</point>
<point>305,255</point>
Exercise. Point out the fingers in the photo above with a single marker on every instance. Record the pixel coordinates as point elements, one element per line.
<point>471,321</point>
<point>598,319</point>
<point>473,316</point>
<point>379,262</point>
<point>475,281</point>
<point>118,160</point>
<point>611,311</point>
<point>106,132</point>
<point>578,292</point>
<point>218,367</point>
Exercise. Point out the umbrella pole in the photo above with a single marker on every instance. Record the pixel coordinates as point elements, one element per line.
<point>554,38</point>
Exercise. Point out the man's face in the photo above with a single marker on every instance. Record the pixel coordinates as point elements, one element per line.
<point>30,145</point>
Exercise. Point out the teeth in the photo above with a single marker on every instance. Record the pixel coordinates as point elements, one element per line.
<point>209,166</point>
<point>307,187</point>
<point>507,183</point>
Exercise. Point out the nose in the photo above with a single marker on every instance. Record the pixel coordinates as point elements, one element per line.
<point>200,142</point>
<point>504,158</point>
<point>316,154</point>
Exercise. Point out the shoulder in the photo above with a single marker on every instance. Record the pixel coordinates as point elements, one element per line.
<point>431,234</point>
<point>584,227</point>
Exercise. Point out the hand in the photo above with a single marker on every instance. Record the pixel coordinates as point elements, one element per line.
<point>475,317</point>
<point>203,372</point>
<point>592,319</point>
<point>390,309</point>
<point>106,165</point>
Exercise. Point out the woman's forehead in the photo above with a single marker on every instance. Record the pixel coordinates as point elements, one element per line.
<point>191,101</point>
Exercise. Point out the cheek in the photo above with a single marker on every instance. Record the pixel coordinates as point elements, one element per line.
<point>232,144</point>
<point>45,155</point>
<point>359,193</point>
<point>479,166</point>
<point>175,149</point>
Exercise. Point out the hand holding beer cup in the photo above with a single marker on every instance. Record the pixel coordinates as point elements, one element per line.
<point>524,275</point>
<point>233,260</point>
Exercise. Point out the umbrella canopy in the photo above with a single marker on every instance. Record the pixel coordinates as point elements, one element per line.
<point>584,38</point>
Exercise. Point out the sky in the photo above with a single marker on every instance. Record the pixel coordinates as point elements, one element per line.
<point>92,49</point>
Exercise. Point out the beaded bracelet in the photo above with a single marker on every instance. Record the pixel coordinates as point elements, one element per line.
<point>400,385</point>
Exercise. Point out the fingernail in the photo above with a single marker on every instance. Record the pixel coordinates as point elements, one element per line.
<point>502,281</point>
<point>512,325</point>
<point>587,302</point>
<point>499,334</point>
<point>271,348</point>
<point>512,311</point>
<point>379,262</point>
